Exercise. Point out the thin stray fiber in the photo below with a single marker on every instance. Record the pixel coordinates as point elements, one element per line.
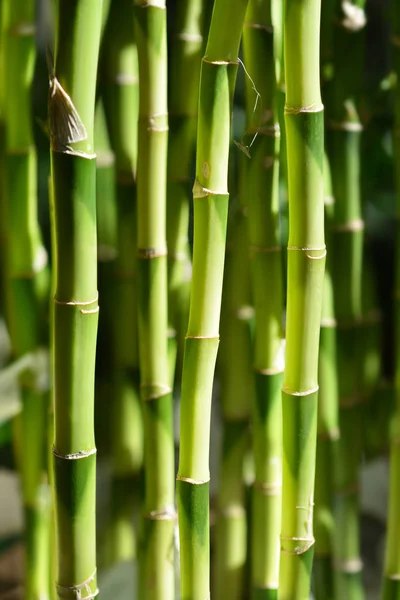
<point>241,145</point>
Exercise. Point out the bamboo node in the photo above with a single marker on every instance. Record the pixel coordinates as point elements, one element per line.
<point>40,260</point>
<point>105,159</point>
<point>350,126</point>
<point>353,225</point>
<point>353,565</point>
<point>354,18</point>
<point>76,302</point>
<point>296,545</point>
<point>251,25</point>
<point>331,434</point>
<point>202,337</point>
<point>192,481</point>
<point>92,311</point>
<point>200,191</point>
<point>328,322</point>
<point>297,110</point>
<point>75,455</point>
<point>149,253</point>
<point>232,512</point>
<point>168,513</point>
<point>122,79</point>
<point>82,591</point>
<point>309,249</point>
<point>268,489</point>
<point>177,256</point>
<point>186,36</point>
<point>106,253</point>
<point>244,313</point>
<point>71,152</point>
<point>329,200</point>
<point>271,371</point>
<point>264,249</point>
<point>148,3</point>
<point>23,29</point>
<point>393,576</point>
<point>305,393</point>
<point>154,391</point>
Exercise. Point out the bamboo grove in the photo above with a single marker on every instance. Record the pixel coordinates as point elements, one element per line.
<point>199,297</point>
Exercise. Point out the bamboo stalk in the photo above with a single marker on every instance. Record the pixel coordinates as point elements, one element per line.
<point>26,279</point>
<point>306,262</point>
<point>183,81</point>
<point>121,99</point>
<point>106,219</point>
<point>391,579</point>
<point>343,143</point>
<point>328,423</point>
<point>75,303</point>
<point>266,270</point>
<point>217,81</point>
<point>237,389</point>
<point>156,393</point>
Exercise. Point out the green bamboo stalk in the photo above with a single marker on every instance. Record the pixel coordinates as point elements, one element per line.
<point>217,81</point>
<point>183,81</point>
<point>391,579</point>
<point>106,218</point>
<point>328,424</point>
<point>121,99</point>
<point>343,142</point>
<point>306,262</point>
<point>267,287</point>
<point>73,171</point>
<point>156,393</point>
<point>26,279</point>
<point>105,187</point>
<point>50,427</point>
<point>371,330</point>
<point>237,389</point>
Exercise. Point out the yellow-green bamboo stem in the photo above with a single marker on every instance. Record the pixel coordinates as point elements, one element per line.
<point>347,234</point>
<point>306,262</point>
<point>26,277</point>
<point>156,393</point>
<point>217,82</point>
<point>267,288</point>
<point>73,168</point>
<point>237,389</point>
<point>328,425</point>
<point>183,89</point>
